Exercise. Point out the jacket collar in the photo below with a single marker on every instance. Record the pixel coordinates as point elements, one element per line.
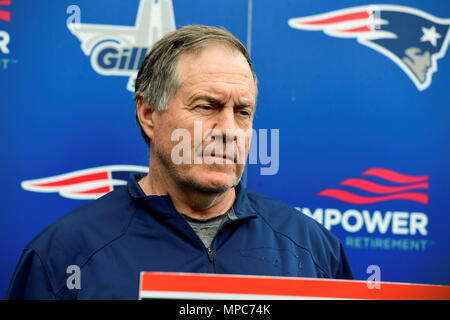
<point>163,205</point>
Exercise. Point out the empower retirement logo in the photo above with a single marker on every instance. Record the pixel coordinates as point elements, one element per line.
<point>119,50</point>
<point>5,36</point>
<point>368,228</point>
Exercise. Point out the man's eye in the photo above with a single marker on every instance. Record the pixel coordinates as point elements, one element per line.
<point>244,113</point>
<point>204,108</point>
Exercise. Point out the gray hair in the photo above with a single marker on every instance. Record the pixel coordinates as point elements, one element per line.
<point>157,79</point>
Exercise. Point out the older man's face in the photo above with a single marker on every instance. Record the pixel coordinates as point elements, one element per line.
<point>217,94</point>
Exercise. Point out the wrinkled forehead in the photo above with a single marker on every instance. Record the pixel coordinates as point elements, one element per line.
<point>215,63</point>
<point>213,53</point>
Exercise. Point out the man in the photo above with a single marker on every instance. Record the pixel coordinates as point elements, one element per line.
<point>191,215</point>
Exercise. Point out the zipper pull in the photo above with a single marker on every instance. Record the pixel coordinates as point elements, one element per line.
<point>210,254</point>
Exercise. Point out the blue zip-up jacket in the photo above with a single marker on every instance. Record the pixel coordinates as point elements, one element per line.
<point>125,232</point>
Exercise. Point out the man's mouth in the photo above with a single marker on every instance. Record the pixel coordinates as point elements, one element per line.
<point>221,158</point>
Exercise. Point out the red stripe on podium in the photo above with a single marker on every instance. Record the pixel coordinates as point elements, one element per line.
<point>289,287</point>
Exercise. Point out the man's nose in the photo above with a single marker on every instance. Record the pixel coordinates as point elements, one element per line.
<point>225,123</point>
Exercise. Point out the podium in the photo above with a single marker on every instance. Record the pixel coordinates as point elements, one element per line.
<point>166,285</point>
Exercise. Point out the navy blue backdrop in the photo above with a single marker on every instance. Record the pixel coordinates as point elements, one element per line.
<point>354,95</point>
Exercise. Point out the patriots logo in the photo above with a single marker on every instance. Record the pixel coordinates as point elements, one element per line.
<point>86,184</point>
<point>412,38</point>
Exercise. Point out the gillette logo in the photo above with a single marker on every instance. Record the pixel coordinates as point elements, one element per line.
<point>108,59</point>
<point>119,50</point>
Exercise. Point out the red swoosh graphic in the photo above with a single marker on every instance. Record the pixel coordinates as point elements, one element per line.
<point>75,180</point>
<point>380,189</point>
<point>341,18</point>
<point>5,15</point>
<point>5,2</point>
<point>105,189</point>
<point>393,176</point>
<point>356,199</point>
<point>358,29</point>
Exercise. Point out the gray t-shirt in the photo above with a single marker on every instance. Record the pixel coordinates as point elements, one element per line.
<point>206,229</point>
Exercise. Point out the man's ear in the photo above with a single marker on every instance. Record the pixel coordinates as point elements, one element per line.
<point>145,114</point>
